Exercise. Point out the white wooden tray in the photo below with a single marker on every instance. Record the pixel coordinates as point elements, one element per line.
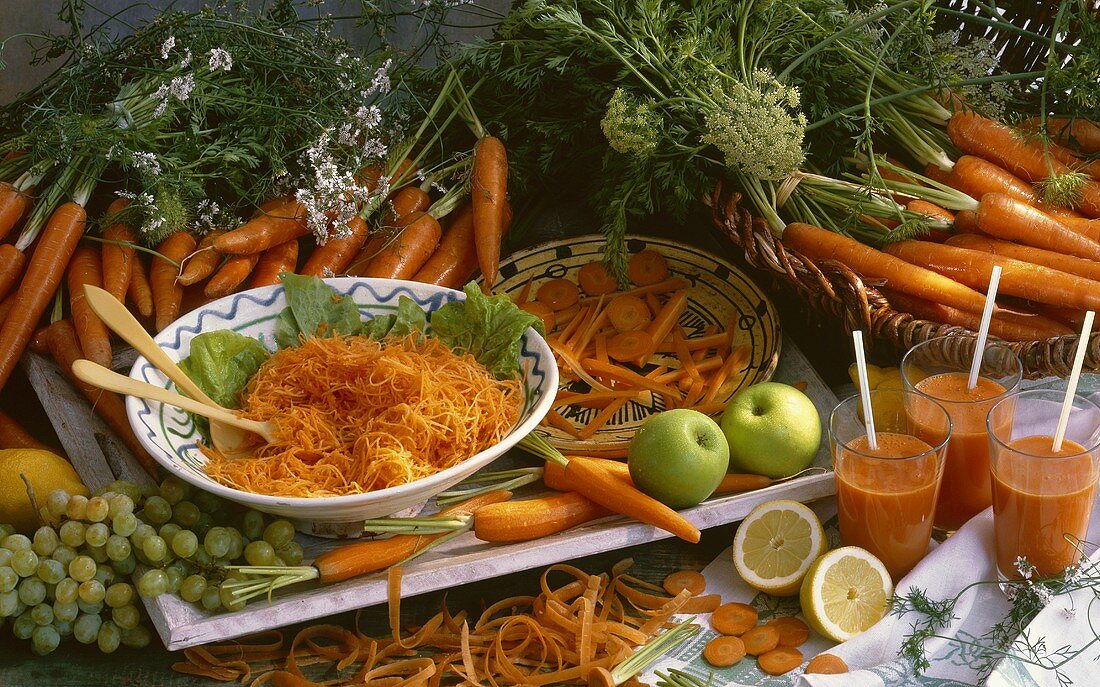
<point>100,458</point>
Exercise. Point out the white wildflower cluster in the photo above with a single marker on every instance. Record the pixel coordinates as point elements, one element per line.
<point>166,47</point>
<point>147,206</point>
<point>873,30</point>
<point>220,59</point>
<point>631,124</point>
<point>207,215</point>
<point>381,81</point>
<point>331,195</point>
<point>973,58</point>
<point>146,163</point>
<point>757,127</point>
<point>1023,567</point>
<point>1069,613</point>
<point>179,87</point>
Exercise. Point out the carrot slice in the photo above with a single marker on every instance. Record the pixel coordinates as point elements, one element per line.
<point>780,660</point>
<point>628,313</point>
<point>541,311</point>
<point>559,294</point>
<point>760,640</point>
<point>627,346</point>
<point>792,631</point>
<point>826,664</point>
<point>647,267</point>
<point>723,652</point>
<point>691,580</point>
<point>595,280</point>
<point>734,619</point>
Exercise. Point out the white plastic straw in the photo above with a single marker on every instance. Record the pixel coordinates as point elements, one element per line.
<point>1074,377</point>
<point>865,390</point>
<point>983,329</point>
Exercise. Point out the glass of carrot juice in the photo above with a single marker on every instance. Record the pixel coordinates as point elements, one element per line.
<point>940,369</point>
<point>1042,498</point>
<point>886,495</point>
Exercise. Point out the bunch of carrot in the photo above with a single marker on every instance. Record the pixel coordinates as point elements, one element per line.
<point>991,214</point>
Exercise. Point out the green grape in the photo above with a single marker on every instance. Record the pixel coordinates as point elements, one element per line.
<point>9,602</point>
<point>105,575</point>
<point>86,628</point>
<point>126,566</point>
<point>97,553</point>
<point>23,626</point>
<point>117,547</point>
<point>45,541</point>
<point>126,617</point>
<point>174,490</point>
<point>202,558</point>
<point>66,590</point>
<point>259,553</point>
<point>77,508</point>
<point>57,502</point>
<point>142,533</point>
<point>45,639</point>
<point>136,637</point>
<point>66,611</point>
<point>97,534</point>
<point>86,607</point>
<point>24,562</point>
<point>8,579</point>
<point>192,588</point>
<point>157,511</point>
<point>5,557</point>
<point>42,614</point>
<point>64,627</point>
<point>72,533</point>
<point>32,591</point>
<point>230,603</point>
<point>97,509</point>
<point>64,555</point>
<point>119,504</point>
<point>204,525</point>
<point>217,542</point>
<point>16,542</point>
<point>126,488</point>
<point>153,583</point>
<point>154,548</point>
<point>50,571</point>
<point>82,569</point>
<point>292,553</point>
<point>91,592</point>
<point>211,598</point>
<point>279,533</point>
<point>169,530</point>
<point>252,524</point>
<point>175,578</point>
<point>186,513</point>
<point>119,594</point>
<point>124,524</point>
<point>236,544</point>
<point>185,544</point>
<point>206,502</point>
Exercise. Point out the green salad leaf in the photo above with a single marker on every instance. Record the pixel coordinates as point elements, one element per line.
<point>221,363</point>
<point>314,309</point>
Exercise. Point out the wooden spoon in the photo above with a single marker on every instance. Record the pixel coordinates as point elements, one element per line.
<point>99,376</point>
<point>229,440</point>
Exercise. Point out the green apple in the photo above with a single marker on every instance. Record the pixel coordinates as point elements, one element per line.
<point>772,429</point>
<point>678,457</point>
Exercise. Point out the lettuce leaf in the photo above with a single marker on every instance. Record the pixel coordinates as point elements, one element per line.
<point>313,309</point>
<point>409,318</point>
<point>489,328</point>
<point>221,363</point>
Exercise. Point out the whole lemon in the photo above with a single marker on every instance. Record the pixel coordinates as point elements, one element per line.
<point>45,470</point>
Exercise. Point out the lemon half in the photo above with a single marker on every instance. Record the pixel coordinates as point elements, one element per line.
<point>845,592</point>
<point>775,545</point>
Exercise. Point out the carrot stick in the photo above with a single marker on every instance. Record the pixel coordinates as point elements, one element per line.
<point>684,355</point>
<point>336,254</point>
<point>1026,280</point>
<point>279,225</point>
<point>515,521</point>
<point>60,338</point>
<point>13,203</point>
<point>602,418</point>
<point>231,275</point>
<point>554,419</point>
<point>698,343</point>
<point>625,376</point>
<point>455,261</point>
<point>95,339</point>
<point>273,262</point>
<point>12,435</point>
<point>1004,325</point>
<point>737,357</point>
<point>139,290</point>
<point>364,557</point>
<point>203,262</point>
<point>167,294</point>
<point>1007,218</point>
<point>735,483</point>
<point>1089,269</point>
<point>12,262</point>
<point>820,244</point>
<point>524,292</point>
<point>664,321</point>
<point>118,254</point>
<point>56,245</point>
<point>594,399</point>
<point>707,365</point>
<point>666,286</point>
<point>488,191</point>
<point>409,251</point>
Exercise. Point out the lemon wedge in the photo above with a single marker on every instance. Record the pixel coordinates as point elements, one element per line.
<point>845,592</point>
<point>775,545</point>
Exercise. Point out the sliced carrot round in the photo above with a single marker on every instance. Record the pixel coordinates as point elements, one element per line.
<point>733,619</point>
<point>627,346</point>
<point>792,631</point>
<point>595,280</point>
<point>780,661</point>
<point>826,664</point>
<point>724,651</point>
<point>760,640</point>
<point>541,311</point>
<point>628,313</point>
<point>559,294</point>
<point>647,267</point>
<point>691,580</point>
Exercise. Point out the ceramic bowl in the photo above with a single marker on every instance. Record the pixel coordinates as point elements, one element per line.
<point>170,436</point>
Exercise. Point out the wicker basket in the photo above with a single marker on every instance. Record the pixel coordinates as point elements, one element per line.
<point>835,289</point>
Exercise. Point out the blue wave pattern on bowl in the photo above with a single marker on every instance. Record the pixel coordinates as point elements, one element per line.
<point>174,427</point>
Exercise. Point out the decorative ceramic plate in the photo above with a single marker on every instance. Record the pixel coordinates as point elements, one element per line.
<point>720,295</point>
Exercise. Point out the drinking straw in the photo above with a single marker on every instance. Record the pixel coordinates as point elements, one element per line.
<point>1074,377</point>
<point>865,390</point>
<point>983,329</point>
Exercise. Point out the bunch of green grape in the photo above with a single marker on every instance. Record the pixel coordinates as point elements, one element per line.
<point>70,578</point>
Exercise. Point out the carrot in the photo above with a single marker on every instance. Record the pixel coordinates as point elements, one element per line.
<point>684,356</point>
<point>554,419</point>
<point>13,203</point>
<point>662,324</point>
<point>553,474</point>
<point>1018,278</point>
<point>820,244</point>
<point>56,245</point>
<point>273,262</point>
<point>5,308</point>
<point>455,261</point>
<point>514,521</point>
<point>539,310</point>
<point>625,376</point>
<point>734,619</point>
<point>595,280</point>
<point>279,225</point>
<point>760,639</point>
<point>1074,130</point>
<point>779,661</point>
<point>695,344</point>
<point>628,313</point>
<point>723,652</point>
<point>13,435</point>
<point>1070,317</point>
<point>95,339</point>
<point>976,176</point>
<point>1007,218</point>
<point>826,664</point>
<point>139,290</point>
<point>488,191</point>
<point>934,173</point>
<point>923,207</point>
<point>998,143</point>
<point>602,418</point>
<point>231,275</point>
<point>203,262</point>
<point>1073,161</point>
<point>735,483</point>
<point>12,262</point>
<point>60,338</point>
<point>691,580</point>
<point>402,258</point>
<point>524,292</point>
<point>559,294</point>
<point>118,254</point>
<point>792,631</point>
<point>167,294</point>
<point>966,222</point>
<point>647,267</point>
<point>627,346</point>
<point>1004,325</point>
<point>1088,269</point>
<point>368,556</point>
<point>336,254</point>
